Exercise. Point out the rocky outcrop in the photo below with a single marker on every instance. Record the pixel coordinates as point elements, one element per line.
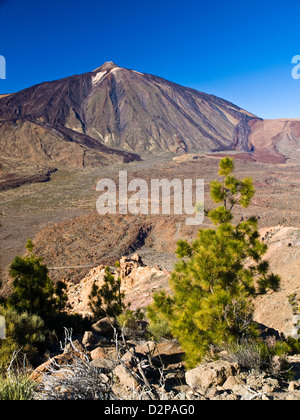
<point>223,381</point>
<point>138,281</point>
<point>280,310</point>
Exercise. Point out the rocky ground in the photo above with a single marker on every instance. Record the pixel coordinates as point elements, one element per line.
<point>156,371</point>
<point>139,282</point>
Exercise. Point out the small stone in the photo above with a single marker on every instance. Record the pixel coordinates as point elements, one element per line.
<point>232,382</point>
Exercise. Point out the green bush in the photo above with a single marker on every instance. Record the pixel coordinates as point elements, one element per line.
<point>293,345</point>
<point>7,348</point>
<point>158,327</point>
<point>133,324</point>
<point>159,330</point>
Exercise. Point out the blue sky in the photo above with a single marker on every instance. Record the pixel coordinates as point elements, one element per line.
<point>240,51</point>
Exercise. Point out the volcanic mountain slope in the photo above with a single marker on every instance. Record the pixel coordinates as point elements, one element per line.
<point>77,121</point>
<point>147,114</point>
<point>35,138</point>
<point>113,115</point>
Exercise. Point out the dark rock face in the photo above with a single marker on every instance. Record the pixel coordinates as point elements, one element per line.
<point>241,135</point>
<point>49,101</point>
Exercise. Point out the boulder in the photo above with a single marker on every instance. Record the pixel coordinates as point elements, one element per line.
<point>145,348</point>
<point>75,349</point>
<point>236,385</point>
<point>92,340</point>
<point>125,378</point>
<point>169,352</point>
<point>98,353</point>
<point>89,338</point>
<point>211,374</point>
<point>104,364</point>
<point>56,363</point>
<point>104,327</point>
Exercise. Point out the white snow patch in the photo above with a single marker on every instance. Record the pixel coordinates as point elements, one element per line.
<point>116,69</point>
<point>99,76</point>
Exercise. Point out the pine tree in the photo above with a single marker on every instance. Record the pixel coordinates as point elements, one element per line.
<point>107,300</point>
<point>217,275</point>
<point>33,290</point>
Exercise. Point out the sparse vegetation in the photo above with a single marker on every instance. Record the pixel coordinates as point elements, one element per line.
<point>133,324</point>
<point>34,313</point>
<point>17,387</point>
<point>256,355</point>
<point>158,328</point>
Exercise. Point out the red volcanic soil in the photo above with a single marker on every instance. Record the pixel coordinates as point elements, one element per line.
<point>276,137</point>
<point>272,141</point>
<point>259,157</point>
